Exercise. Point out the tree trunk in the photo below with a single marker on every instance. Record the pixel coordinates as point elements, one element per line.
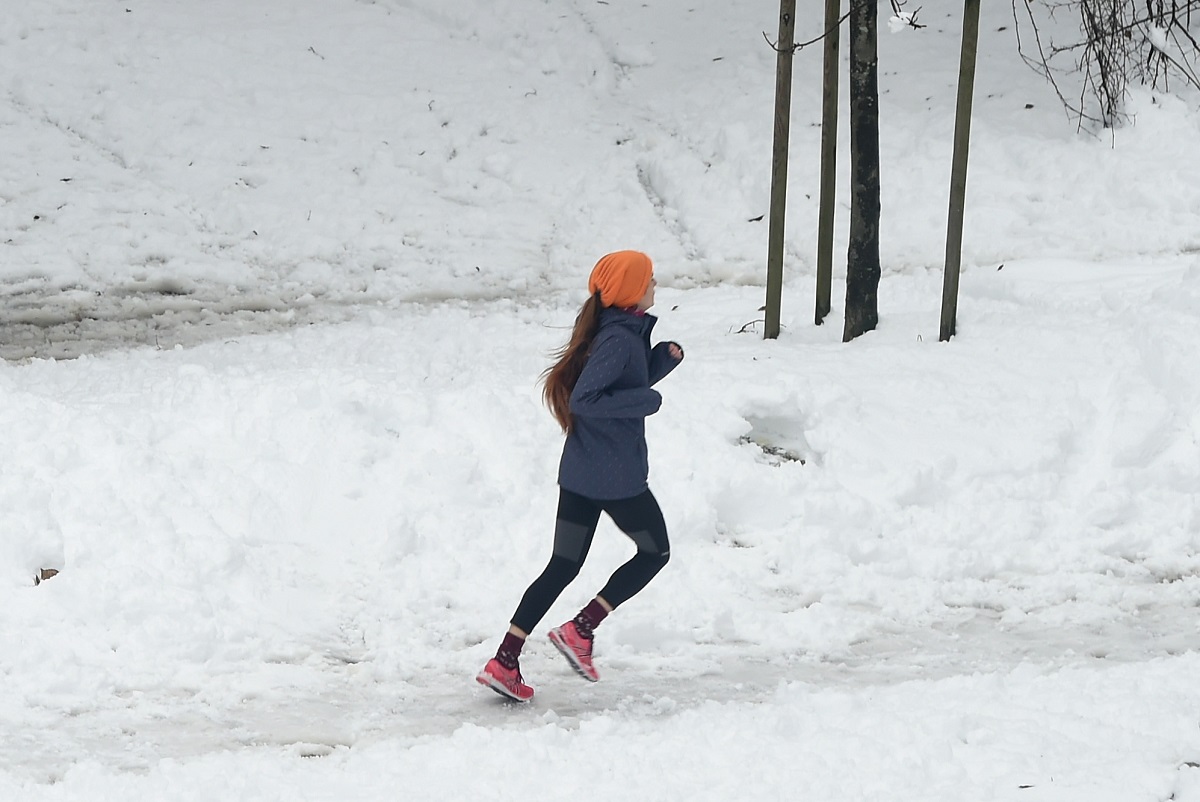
<point>779,168</point>
<point>862,264</point>
<point>829,123</point>
<point>958,169</point>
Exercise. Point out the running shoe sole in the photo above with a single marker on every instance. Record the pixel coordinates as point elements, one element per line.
<point>488,681</point>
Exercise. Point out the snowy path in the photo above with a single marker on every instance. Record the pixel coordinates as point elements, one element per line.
<point>37,324</point>
<point>328,704</point>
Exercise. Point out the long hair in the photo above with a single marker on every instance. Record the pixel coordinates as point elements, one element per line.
<point>559,379</point>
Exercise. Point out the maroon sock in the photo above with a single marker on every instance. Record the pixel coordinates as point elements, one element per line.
<point>589,618</point>
<point>510,651</point>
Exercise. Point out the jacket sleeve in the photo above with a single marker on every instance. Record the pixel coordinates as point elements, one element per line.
<point>661,361</point>
<point>594,396</point>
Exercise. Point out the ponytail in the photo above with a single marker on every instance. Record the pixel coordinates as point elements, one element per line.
<point>560,378</point>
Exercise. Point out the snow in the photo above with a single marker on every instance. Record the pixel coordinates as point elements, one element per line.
<point>902,21</point>
<point>1158,38</point>
<point>278,281</point>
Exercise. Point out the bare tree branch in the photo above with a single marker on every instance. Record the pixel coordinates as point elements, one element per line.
<point>1151,42</point>
<point>775,45</point>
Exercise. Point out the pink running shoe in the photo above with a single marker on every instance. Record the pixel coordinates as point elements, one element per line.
<point>504,681</point>
<point>576,648</point>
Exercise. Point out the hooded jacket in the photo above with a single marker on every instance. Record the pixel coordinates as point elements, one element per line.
<point>604,456</point>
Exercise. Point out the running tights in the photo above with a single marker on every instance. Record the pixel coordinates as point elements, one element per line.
<point>639,518</point>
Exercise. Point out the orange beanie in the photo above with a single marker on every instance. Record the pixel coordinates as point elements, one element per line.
<point>621,278</point>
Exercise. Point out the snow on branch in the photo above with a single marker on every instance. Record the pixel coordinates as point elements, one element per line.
<point>901,19</point>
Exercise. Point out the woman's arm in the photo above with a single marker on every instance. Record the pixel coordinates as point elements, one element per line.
<point>594,395</point>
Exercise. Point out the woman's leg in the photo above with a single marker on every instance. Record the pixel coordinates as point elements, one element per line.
<point>573,531</point>
<point>574,528</point>
<point>642,521</point>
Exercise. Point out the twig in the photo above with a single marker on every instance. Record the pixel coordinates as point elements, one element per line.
<point>775,45</point>
<point>746,328</point>
<point>909,19</point>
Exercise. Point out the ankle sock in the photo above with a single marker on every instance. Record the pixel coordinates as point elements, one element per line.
<point>510,651</point>
<point>589,618</point>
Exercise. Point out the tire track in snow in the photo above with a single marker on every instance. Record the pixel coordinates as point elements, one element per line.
<point>623,65</point>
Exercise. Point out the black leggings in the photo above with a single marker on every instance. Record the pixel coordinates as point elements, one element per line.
<point>639,518</point>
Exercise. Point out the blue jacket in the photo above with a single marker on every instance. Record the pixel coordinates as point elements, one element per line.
<point>604,456</point>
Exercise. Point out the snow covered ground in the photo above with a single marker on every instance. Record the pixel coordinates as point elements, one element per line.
<point>308,259</point>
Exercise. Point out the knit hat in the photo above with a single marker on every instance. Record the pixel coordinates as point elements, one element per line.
<point>621,278</point>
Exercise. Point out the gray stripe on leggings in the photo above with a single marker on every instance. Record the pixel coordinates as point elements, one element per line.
<point>569,539</point>
<point>644,541</point>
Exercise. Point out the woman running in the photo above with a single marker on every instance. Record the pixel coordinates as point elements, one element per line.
<point>600,392</point>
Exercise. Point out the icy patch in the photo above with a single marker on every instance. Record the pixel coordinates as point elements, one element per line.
<point>42,323</point>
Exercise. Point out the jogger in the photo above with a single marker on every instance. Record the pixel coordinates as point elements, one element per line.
<point>600,391</point>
